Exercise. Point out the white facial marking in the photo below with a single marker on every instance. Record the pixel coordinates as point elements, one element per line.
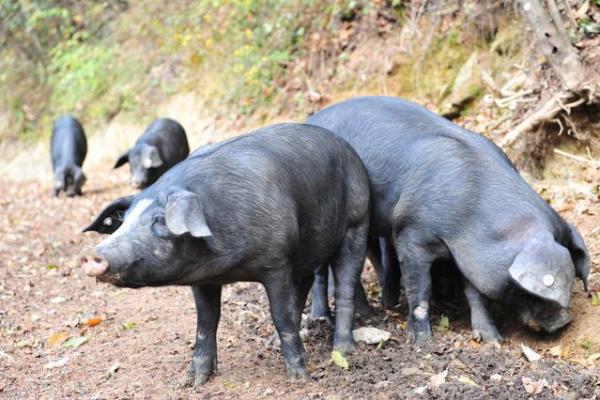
<point>130,222</point>
<point>548,280</point>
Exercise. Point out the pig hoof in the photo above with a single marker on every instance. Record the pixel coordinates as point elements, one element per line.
<point>389,301</point>
<point>298,374</point>
<point>344,347</point>
<point>193,380</point>
<point>420,336</point>
<point>320,314</point>
<point>388,304</point>
<point>487,335</point>
<point>365,312</point>
<point>328,320</point>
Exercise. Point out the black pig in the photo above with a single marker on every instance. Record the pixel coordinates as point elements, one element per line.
<point>68,147</point>
<point>162,145</point>
<point>267,207</point>
<point>442,192</point>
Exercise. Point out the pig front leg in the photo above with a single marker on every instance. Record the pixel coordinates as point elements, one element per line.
<point>285,297</point>
<point>347,265</point>
<point>320,305</point>
<point>208,310</point>
<point>390,285</point>
<point>415,263</point>
<point>482,326</point>
<point>361,302</point>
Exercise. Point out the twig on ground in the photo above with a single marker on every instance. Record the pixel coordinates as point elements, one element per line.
<point>557,120</point>
<point>593,163</point>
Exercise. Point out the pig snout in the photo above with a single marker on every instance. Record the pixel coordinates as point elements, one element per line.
<point>93,264</point>
<point>137,183</point>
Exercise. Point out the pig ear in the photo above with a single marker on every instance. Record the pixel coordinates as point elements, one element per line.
<point>544,268</point>
<point>124,158</point>
<point>151,158</point>
<point>111,217</point>
<point>184,213</point>
<point>580,256</point>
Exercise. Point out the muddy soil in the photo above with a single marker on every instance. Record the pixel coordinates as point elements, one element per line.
<point>142,339</point>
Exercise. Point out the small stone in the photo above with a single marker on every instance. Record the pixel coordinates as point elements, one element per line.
<point>370,335</point>
<point>496,377</point>
<point>548,280</point>
<point>410,371</point>
<point>57,300</point>
<point>421,389</point>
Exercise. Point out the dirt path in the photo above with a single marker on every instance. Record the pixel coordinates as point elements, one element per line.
<point>142,345</point>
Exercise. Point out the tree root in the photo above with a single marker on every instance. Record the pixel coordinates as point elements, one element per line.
<point>545,113</point>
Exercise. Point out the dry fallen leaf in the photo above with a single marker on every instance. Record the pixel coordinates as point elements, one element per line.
<point>75,342</point>
<point>93,322</point>
<point>529,353</point>
<point>467,381</point>
<point>533,387</point>
<point>556,351</point>
<point>438,379</point>
<point>57,364</point>
<point>592,358</point>
<point>566,352</point>
<point>57,338</point>
<point>339,360</point>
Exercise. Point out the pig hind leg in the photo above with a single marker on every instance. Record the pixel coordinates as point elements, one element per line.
<point>415,261</point>
<point>285,297</point>
<point>347,265</point>
<point>482,326</point>
<point>208,309</point>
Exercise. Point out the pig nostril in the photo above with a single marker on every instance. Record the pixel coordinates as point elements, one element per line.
<point>83,260</point>
<point>97,259</point>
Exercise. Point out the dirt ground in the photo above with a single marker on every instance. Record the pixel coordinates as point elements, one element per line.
<point>142,341</point>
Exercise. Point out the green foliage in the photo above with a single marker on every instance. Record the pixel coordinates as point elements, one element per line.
<point>444,324</point>
<point>56,61</point>
<point>595,298</point>
<point>79,73</point>
<point>338,359</point>
<point>588,26</point>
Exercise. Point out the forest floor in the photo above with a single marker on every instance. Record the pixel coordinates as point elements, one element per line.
<point>62,335</point>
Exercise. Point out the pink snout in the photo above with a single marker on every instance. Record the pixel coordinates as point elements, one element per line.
<point>93,265</point>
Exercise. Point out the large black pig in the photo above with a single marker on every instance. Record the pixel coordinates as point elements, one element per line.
<point>68,148</point>
<point>440,192</point>
<point>268,207</point>
<point>162,145</point>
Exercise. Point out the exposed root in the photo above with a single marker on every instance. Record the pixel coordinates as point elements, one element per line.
<point>545,113</point>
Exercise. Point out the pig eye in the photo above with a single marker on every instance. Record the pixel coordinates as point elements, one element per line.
<point>159,226</point>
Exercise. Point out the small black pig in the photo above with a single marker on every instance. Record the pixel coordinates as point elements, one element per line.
<point>442,192</point>
<point>269,207</point>
<point>68,148</point>
<point>162,145</point>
